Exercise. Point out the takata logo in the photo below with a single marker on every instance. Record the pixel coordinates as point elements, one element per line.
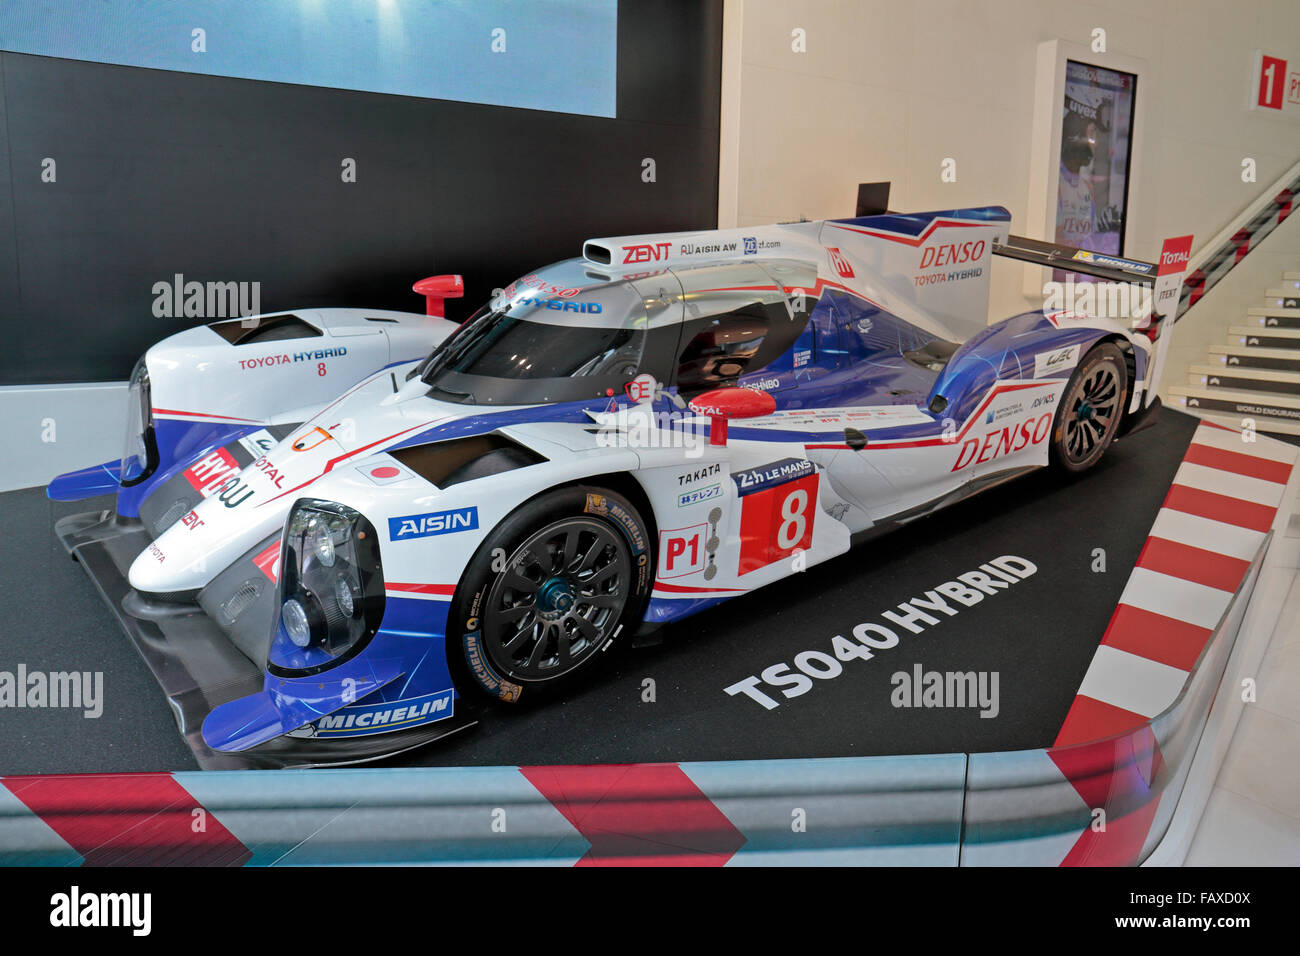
<point>952,254</point>
<point>840,263</point>
<point>435,522</point>
<point>646,252</point>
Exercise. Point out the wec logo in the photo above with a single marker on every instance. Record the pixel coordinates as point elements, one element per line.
<point>435,522</point>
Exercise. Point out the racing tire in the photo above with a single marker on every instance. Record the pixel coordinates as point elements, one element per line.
<point>1091,408</point>
<point>549,594</point>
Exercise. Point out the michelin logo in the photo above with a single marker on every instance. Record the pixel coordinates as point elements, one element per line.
<point>435,522</point>
<point>388,715</point>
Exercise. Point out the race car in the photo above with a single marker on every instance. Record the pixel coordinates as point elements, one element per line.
<point>338,534</point>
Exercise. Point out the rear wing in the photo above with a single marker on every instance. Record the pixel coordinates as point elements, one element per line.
<point>1165,277</point>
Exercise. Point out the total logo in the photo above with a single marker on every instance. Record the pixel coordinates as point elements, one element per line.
<point>435,522</point>
<point>1004,441</point>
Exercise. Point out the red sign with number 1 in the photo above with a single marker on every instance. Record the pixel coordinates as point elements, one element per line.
<point>1272,82</point>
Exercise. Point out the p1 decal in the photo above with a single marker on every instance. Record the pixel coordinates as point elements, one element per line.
<point>431,523</point>
<point>209,474</point>
<point>776,521</point>
<point>683,551</point>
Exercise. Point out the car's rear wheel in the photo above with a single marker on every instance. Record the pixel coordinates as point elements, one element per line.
<point>1091,408</point>
<point>549,592</point>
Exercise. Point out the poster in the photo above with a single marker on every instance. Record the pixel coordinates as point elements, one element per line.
<point>1096,146</point>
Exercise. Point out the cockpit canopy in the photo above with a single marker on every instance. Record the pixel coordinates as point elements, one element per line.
<point>569,333</point>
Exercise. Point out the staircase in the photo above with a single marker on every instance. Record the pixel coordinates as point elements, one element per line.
<point>1257,374</point>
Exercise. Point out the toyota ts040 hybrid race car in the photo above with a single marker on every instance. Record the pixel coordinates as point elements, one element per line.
<point>337,531</point>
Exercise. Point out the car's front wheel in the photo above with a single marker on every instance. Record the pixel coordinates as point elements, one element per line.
<point>1091,408</point>
<point>549,592</point>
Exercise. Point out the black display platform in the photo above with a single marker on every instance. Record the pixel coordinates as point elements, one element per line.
<point>1038,635</point>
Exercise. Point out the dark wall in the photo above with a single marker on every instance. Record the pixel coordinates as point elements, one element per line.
<point>237,180</point>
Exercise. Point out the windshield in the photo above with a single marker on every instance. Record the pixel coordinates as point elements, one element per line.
<point>536,348</point>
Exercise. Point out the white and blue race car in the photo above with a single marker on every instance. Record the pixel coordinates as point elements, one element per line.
<point>337,531</point>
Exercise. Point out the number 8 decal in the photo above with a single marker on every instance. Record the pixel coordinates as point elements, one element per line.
<point>793,522</point>
<point>776,522</point>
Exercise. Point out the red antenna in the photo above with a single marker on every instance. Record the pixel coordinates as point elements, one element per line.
<point>436,289</point>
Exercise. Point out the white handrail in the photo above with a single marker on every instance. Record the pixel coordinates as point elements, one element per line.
<point>1202,255</point>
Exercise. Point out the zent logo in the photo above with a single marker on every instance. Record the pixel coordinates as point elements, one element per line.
<point>646,252</point>
<point>435,522</point>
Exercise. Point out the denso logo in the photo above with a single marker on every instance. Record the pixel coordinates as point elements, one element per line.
<point>435,522</point>
<point>1003,441</point>
<point>951,254</point>
<point>646,252</point>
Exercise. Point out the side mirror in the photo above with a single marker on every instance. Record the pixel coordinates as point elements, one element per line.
<point>437,288</point>
<point>723,404</point>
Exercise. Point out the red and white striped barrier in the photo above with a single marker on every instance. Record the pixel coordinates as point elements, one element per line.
<point>1102,794</point>
<point>1222,503</point>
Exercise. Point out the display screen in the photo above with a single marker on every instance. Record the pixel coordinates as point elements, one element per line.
<point>557,55</point>
<point>1096,146</point>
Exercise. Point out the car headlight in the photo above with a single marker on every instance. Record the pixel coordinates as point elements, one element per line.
<point>331,589</point>
<point>141,455</point>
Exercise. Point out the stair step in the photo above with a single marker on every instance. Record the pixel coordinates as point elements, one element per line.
<point>1271,408</point>
<point>1270,338</point>
<point>1291,278</point>
<point>1292,295</point>
<point>1273,318</point>
<point>1228,420</point>
<point>1262,381</point>
<point>1242,356</point>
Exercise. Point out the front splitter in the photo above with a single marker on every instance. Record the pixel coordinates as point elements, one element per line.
<point>198,667</point>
